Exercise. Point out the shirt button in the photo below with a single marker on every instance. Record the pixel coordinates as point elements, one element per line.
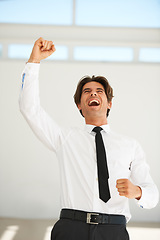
<point>96,179</point>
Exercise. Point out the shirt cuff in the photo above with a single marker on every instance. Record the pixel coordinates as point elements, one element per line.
<point>146,200</point>
<point>33,68</point>
<point>141,201</point>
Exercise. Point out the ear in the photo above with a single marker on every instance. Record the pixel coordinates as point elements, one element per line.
<point>109,105</point>
<point>79,106</point>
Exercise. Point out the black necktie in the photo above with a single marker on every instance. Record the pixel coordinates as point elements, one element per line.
<point>103,175</point>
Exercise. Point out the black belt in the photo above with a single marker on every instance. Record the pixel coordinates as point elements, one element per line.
<point>91,217</point>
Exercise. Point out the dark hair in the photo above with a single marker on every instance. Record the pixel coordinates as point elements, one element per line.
<point>100,79</point>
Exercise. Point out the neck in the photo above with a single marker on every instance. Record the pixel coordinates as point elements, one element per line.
<point>96,121</point>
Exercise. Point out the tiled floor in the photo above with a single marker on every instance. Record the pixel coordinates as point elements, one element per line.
<point>22,229</point>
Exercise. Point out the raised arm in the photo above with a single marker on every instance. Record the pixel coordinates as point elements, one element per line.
<point>29,102</point>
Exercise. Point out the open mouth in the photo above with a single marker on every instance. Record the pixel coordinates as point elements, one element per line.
<point>94,102</point>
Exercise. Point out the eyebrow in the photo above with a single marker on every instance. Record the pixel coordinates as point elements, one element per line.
<point>100,89</point>
<point>90,89</point>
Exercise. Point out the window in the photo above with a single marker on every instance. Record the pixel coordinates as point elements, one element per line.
<point>61,53</point>
<point>149,55</point>
<point>107,13</point>
<point>36,12</point>
<point>118,13</point>
<point>23,51</point>
<point>119,54</point>
<point>19,51</point>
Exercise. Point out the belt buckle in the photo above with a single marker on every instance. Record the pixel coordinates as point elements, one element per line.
<point>89,215</point>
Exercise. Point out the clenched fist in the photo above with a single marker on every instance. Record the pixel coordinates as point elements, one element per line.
<point>41,50</point>
<point>127,189</point>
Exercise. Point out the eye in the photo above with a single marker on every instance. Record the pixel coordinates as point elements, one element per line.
<point>100,91</point>
<point>86,91</point>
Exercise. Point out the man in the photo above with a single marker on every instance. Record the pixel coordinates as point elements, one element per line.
<point>100,170</point>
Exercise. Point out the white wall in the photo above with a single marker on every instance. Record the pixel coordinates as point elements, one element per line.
<point>29,173</point>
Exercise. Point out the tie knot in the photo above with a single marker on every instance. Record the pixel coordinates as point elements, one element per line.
<point>97,129</point>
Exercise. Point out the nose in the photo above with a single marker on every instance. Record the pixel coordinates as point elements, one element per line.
<point>93,94</point>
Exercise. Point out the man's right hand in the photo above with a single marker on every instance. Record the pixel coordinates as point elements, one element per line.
<point>41,50</point>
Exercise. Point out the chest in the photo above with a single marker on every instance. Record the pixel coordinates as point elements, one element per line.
<point>81,150</point>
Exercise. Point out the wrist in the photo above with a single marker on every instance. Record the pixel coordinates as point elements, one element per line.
<point>139,193</point>
<point>31,60</point>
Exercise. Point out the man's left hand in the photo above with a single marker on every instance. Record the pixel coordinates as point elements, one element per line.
<point>127,189</point>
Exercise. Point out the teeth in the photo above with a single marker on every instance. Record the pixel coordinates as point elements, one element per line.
<point>93,101</point>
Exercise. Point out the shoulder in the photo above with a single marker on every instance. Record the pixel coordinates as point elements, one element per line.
<point>70,131</point>
<point>124,139</point>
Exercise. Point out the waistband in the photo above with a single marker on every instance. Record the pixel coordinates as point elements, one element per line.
<point>92,217</point>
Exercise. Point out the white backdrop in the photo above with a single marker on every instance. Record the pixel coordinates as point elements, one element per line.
<point>29,173</point>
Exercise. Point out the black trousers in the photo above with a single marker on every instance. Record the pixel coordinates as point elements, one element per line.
<point>66,229</point>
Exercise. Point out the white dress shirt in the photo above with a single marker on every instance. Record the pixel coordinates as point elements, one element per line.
<point>76,151</point>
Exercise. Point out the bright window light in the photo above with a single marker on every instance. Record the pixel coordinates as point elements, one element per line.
<point>23,51</point>
<point>37,12</point>
<point>10,233</point>
<point>61,53</point>
<point>118,13</point>
<point>137,233</point>
<point>109,54</point>
<point>149,55</point>
<point>48,233</point>
<point>19,51</point>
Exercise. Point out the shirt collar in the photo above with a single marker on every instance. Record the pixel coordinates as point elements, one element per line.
<point>89,128</point>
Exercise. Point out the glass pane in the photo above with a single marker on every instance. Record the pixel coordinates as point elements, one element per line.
<point>118,13</point>
<point>23,51</point>
<point>119,54</point>
<point>61,53</point>
<point>36,12</point>
<point>149,55</point>
<point>20,51</point>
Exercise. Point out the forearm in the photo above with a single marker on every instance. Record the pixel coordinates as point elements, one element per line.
<point>40,122</point>
<point>29,94</point>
